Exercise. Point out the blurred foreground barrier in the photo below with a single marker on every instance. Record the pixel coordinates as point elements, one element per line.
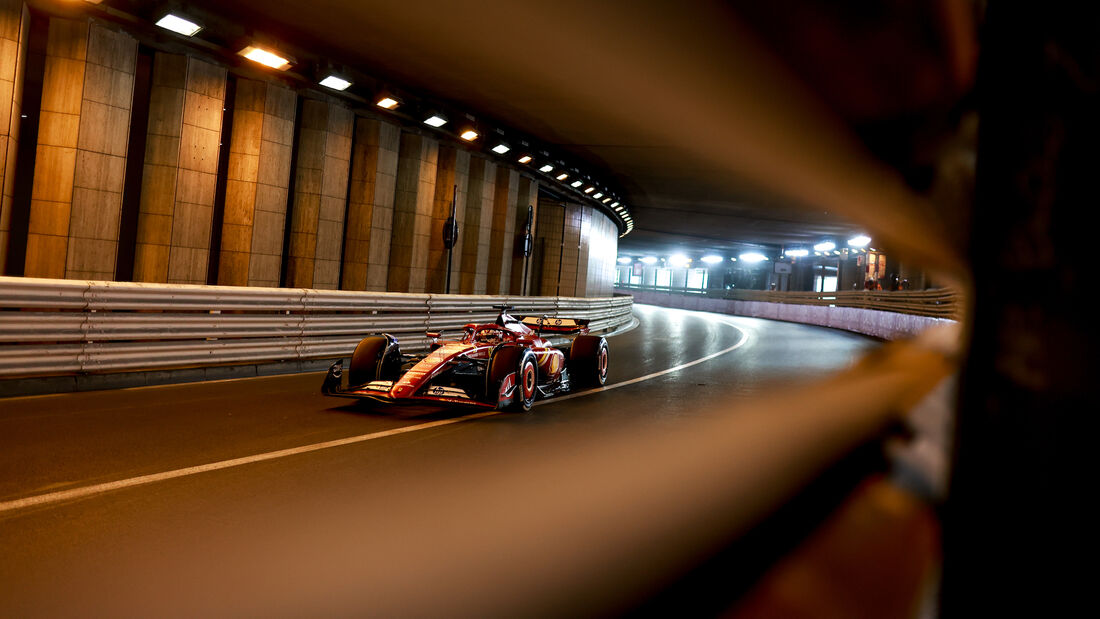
<point>50,326</point>
<point>888,315</point>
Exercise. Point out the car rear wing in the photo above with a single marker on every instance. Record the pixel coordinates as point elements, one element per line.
<point>554,324</point>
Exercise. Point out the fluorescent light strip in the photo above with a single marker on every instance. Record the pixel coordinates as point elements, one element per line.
<point>179,25</point>
<point>335,83</point>
<point>266,58</point>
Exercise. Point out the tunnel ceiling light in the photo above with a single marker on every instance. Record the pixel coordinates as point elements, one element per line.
<point>469,135</point>
<point>265,57</point>
<point>546,168</point>
<point>614,204</point>
<point>501,148</point>
<point>563,176</point>
<point>335,83</point>
<point>589,189</point>
<point>524,159</point>
<point>825,246</point>
<point>625,260</point>
<point>753,257</point>
<point>796,253</point>
<point>576,184</point>
<point>387,103</point>
<point>179,25</point>
<point>712,259</point>
<point>435,120</point>
<point>859,241</point>
<point>606,200</point>
<point>649,260</point>
<point>597,195</point>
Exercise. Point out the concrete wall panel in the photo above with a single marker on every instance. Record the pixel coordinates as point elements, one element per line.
<point>81,154</point>
<point>181,162</point>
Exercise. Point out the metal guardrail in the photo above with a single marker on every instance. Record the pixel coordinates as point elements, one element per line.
<point>50,326</point>
<point>934,303</point>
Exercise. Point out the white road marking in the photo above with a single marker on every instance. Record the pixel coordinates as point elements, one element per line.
<point>744,339</point>
<point>76,493</point>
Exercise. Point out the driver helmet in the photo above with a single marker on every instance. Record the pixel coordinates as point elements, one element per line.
<point>488,336</point>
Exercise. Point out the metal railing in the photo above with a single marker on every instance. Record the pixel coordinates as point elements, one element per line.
<point>50,326</point>
<point>934,302</point>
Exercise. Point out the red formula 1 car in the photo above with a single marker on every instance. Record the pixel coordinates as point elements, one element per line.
<point>505,364</point>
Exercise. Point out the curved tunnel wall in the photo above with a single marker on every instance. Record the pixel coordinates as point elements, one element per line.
<point>153,166</point>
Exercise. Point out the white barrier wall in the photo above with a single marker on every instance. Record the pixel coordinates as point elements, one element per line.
<point>885,325</point>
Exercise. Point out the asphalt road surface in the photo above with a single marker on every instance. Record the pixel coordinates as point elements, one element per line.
<point>258,496</point>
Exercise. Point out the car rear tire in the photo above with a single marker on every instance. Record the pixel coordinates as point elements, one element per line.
<point>588,358</point>
<point>377,357</point>
<point>507,361</point>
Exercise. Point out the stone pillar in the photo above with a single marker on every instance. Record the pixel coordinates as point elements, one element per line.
<point>476,233</point>
<point>76,199</point>
<point>452,171</point>
<point>600,246</point>
<point>256,185</point>
<point>14,21</point>
<point>370,205</point>
<point>554,256</point>
<point>181,163</point>
<point>320,196</point>
<point>583,248</point>
<point>412,213</point>
<point>500,243</point>
<point>528,195</point>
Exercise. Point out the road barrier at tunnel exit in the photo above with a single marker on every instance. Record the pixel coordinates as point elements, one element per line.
<point>883,320</point>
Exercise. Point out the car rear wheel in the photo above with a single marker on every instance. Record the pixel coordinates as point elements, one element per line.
<point>588,358</point>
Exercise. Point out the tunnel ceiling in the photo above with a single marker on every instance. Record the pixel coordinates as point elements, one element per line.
<point>891,72</point>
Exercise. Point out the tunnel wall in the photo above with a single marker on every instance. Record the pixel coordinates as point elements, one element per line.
<point>575,250</point>
<point>241,179</point>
